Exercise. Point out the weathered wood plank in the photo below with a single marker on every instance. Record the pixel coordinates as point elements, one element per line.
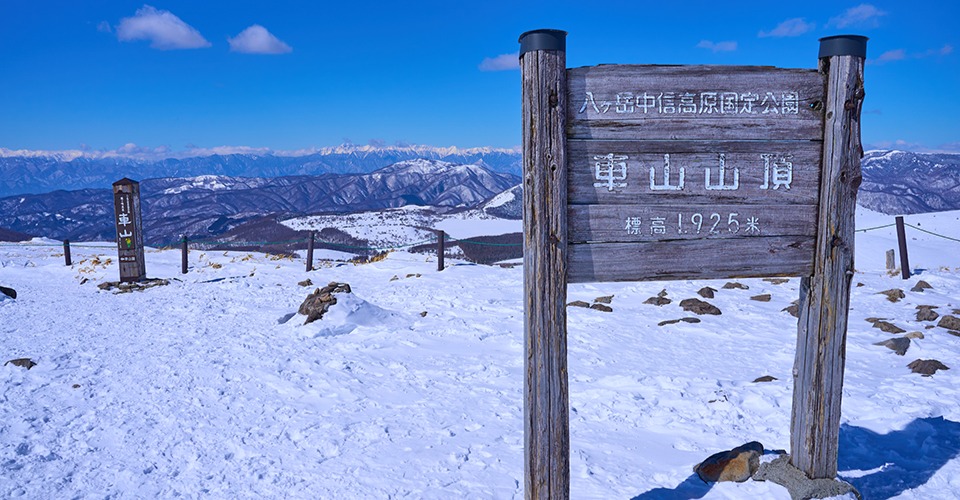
<point>694,102</point>
<point>546,407</point>
<point>825,296</point>
<point>607,172</point>
<point>644,223</point>
<point>691,259</point>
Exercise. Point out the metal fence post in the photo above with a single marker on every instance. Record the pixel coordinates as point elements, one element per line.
<point>902,241</point>
<point>66,253</point>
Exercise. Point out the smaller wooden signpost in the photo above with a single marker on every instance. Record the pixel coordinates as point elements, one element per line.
<point>126,203</point>
<point>636,173</point>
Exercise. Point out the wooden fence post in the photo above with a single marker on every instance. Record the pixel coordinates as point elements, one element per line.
<point>902,241</point>
<point>66,253</point>
<point>825,296</point>
<point>183,254</point>
<point>310,251</point>
<point>546,401</point>
<point>441,236</point>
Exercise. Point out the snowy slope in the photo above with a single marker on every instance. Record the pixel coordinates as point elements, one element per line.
<point>208,387</point>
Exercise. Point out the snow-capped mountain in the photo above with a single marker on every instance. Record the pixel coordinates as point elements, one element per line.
<point>211,205</point>
<point>43,171</point>
<point>901,182</point>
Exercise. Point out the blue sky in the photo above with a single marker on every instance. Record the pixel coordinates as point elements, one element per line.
<point>291,75</point>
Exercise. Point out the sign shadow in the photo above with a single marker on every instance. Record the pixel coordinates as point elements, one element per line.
<point>886,465</point>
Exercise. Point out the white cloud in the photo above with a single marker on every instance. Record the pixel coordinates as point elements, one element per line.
<point>863,15</point>
<point>946,50</point>
<point>791,27</point>
<point>503,62</point>
<point>257,40</point>
<point>892,55</point>
<point>727,46</point>
<point>164,30</point>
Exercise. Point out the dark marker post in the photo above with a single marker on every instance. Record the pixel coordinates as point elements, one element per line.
<point>902,241</point>
<point>66,253</point>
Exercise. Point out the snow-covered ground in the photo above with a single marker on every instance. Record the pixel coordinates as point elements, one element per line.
<point>208,387</point>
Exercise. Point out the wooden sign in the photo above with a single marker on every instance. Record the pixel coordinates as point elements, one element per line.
<point>126,202</point>
<point>636,173</point>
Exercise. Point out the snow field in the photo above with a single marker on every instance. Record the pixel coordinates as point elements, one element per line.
<point>208,387</point>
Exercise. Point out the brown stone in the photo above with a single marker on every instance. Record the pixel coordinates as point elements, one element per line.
<point>698,306</point>
<point>10,292</point>
<point>949,322</point>
<point>761,298</point>
<point>675,321</point>
<point>914,335</point>
<point>730,285</point>
<point>319,302</point>
<point>657,301</point>
<point>776,281</point>
<point>306,282</point>
<point>893,294</point>
<point>927,313</point>
<point>21,362</point>
<point>926,367</point>
<point>706,292</point>
<point>578,303</point>
<point>793,309</point>
<point>602,307</point>
<point>765,378</point>
<point>737,464</point>
<point>888,327</point>
<point>423,314</point>
<point>898,345</point>
<point>606,299</point>
<point>921,286</point>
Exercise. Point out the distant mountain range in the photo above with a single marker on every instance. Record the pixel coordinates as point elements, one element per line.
<point>210,205</point>
<point>900,182</point>
<point>39,172</point>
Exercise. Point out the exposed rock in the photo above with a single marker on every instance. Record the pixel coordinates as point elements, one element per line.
<point>955,333</point>
<point>604,300</point>
<point>927,313</point>
<point>801,487</point>
<point>412,275</point>
<point>888,327</point>
<point>602,307</point>
<point>898,345</point>
<point>730,285</point>
<point>859,285</point>
<point>706,292</point>
<point>423,314</point>
<point>873,320</point>
<point>914,335</point>
<point>9,292</point>
<point>394,278</point>
<point>306,282</point>
<point>949,322</point>
<point>926,367</point>
<point>893,294</point>
<point>921,286</point>
<point>657,301</point>
<point>955,311</point>
<point>698,306</point>
<point>319,302</point>
<point>674,321</point>
<point>737,464</point>
<point>793,309</point>
<point>761,298</point>
<point>133,286</point>
<point>777,281</point>
<point>765,378</point>
<point>21,362</point>
<point>662,293</point>
<point>578,303</point>
<point>75,386</point>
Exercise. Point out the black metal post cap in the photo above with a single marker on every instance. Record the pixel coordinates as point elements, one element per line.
<point>843,45</point>
<point>544,39</point>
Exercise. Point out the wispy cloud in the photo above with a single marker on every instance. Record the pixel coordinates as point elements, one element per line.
<point>503,62</point>
<point>791,27</point>
<point>916,147</point>
<point>727,46</point>
<point>901,54</point>
<point>863,16</point>
<point>257,40</point>
<point>164,30</point>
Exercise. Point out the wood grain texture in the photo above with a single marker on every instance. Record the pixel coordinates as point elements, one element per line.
<point>628,102</point>
<point>691,259</point>
<point>825,296</point>
<point>695,158</point>
<point>546,406</point>
<point>616,223</point>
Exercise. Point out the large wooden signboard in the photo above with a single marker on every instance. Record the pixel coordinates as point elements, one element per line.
<point>638,173</point>
<point>126,203</point>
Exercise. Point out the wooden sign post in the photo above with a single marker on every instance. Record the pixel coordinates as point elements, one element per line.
<point>636,173</point>
<point>126,202</point>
